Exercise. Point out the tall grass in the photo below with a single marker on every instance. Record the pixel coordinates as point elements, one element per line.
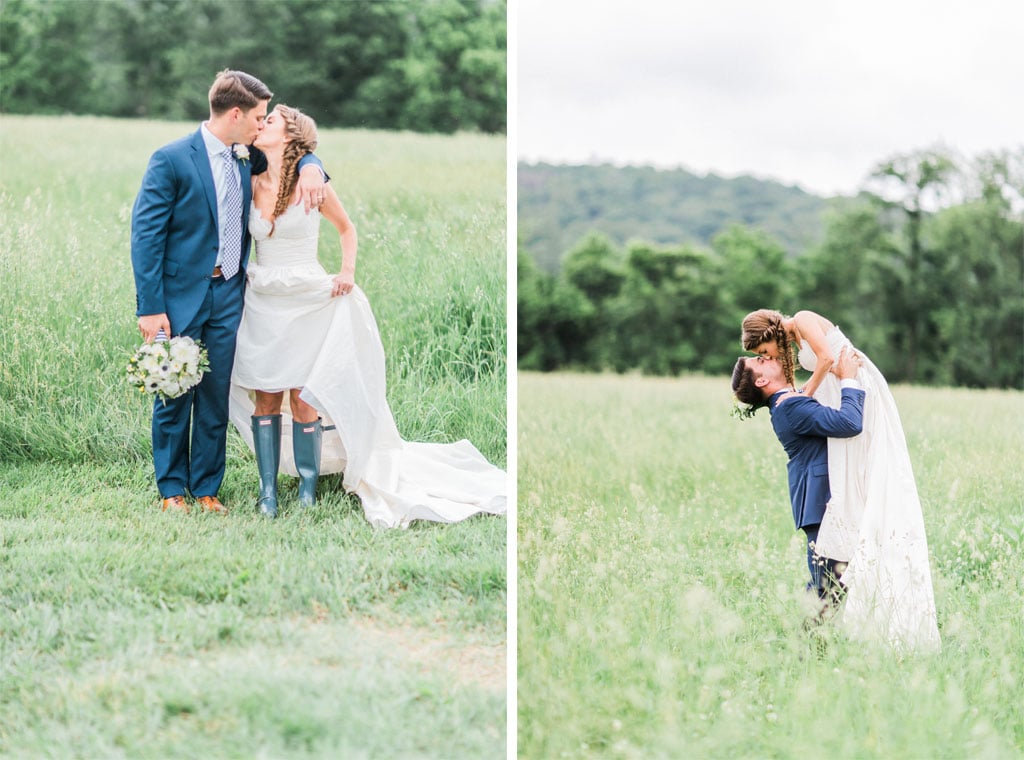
<point>431,218</point>
<point>660,583</point>
<point>125,632</point>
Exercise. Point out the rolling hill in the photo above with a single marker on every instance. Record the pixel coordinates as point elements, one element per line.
<point>558,205</point>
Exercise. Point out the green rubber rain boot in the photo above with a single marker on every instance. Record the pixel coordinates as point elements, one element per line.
<point>306,437</point>
<point>266,437</point>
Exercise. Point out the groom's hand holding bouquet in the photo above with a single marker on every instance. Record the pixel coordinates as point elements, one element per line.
<point>166,367</point>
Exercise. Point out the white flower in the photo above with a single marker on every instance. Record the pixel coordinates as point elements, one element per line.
<point>241,152</point>
<point>168,368</point>
<point>149,365</point>
<point>182,352</point>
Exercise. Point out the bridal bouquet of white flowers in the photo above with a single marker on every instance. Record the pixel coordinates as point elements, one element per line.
<point>168,368</point>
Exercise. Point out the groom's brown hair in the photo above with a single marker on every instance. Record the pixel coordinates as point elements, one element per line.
<point>236,88</point>
<point>743,387</point>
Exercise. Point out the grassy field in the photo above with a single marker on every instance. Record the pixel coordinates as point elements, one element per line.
<point>125,632</point>
<point>659,588</point>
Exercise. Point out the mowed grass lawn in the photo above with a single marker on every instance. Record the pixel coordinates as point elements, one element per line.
<point>125,632</point>
<point>660,578</point>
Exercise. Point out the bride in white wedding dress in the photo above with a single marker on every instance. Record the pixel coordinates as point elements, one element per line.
<point>873,520</point>
<point>308,385</point>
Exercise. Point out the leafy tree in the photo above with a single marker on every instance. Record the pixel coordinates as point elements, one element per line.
<point>596,269</point>
<point>848,278</point>
<point>979,310</point>
<point>39,70</point>
<point>136,44</point>
<point>1000,180</point>
<point>751,271</point>
<point>552,319</point>
<point>908,182</point>
<point>330,55</point>
<point>454,74</point>
<point>435,65</point>
<point>664,313</point>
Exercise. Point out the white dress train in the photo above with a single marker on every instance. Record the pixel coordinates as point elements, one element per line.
<point>874,520</point>
<point>294,334</point>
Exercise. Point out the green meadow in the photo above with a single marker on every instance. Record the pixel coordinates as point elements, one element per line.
<point>126,632</point>
<point>660,603</point>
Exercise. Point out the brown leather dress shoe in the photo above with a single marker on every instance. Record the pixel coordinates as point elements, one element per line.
<point>212,504</point>
<point>176,503</point>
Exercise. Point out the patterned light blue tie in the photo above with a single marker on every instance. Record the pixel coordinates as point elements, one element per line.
<point>231,253</point>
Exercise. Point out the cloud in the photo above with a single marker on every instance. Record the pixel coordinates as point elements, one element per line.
<point>807,92</point>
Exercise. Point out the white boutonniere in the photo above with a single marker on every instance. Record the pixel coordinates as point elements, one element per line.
<point>241,152</point>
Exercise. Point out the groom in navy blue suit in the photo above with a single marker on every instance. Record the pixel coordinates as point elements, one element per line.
<point>190,246</point>
<point>803,426</point>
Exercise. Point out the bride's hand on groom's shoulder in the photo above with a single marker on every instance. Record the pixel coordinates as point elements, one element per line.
<point>790,394</point>
<point>310,187</point>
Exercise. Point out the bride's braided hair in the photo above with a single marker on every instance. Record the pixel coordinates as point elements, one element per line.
<point>765,326</point>
<point>301,134</point>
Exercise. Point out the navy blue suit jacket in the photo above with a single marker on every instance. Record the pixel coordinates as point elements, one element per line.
<point>803,426</point>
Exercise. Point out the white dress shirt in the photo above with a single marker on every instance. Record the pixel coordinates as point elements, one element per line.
<point>214,148</point>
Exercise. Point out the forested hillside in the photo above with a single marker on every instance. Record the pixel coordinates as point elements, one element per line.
<point>558,205</point>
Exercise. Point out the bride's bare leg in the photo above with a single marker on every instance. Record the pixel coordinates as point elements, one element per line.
<point>301,411</point>
<point>268,403</point>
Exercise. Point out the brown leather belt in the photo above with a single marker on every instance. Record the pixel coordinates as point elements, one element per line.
<point>217,273</point>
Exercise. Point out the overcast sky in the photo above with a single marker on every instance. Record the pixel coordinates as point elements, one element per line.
<point>808,92</point>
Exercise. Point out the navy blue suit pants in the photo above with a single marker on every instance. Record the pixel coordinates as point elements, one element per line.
<point>823,570</point>
<point>190,432</point>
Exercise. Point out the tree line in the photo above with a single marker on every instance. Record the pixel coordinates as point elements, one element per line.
<point>931,288</point>
<point>423,65</point>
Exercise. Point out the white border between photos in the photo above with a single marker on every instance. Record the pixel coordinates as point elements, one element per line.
<point>511,391</point>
